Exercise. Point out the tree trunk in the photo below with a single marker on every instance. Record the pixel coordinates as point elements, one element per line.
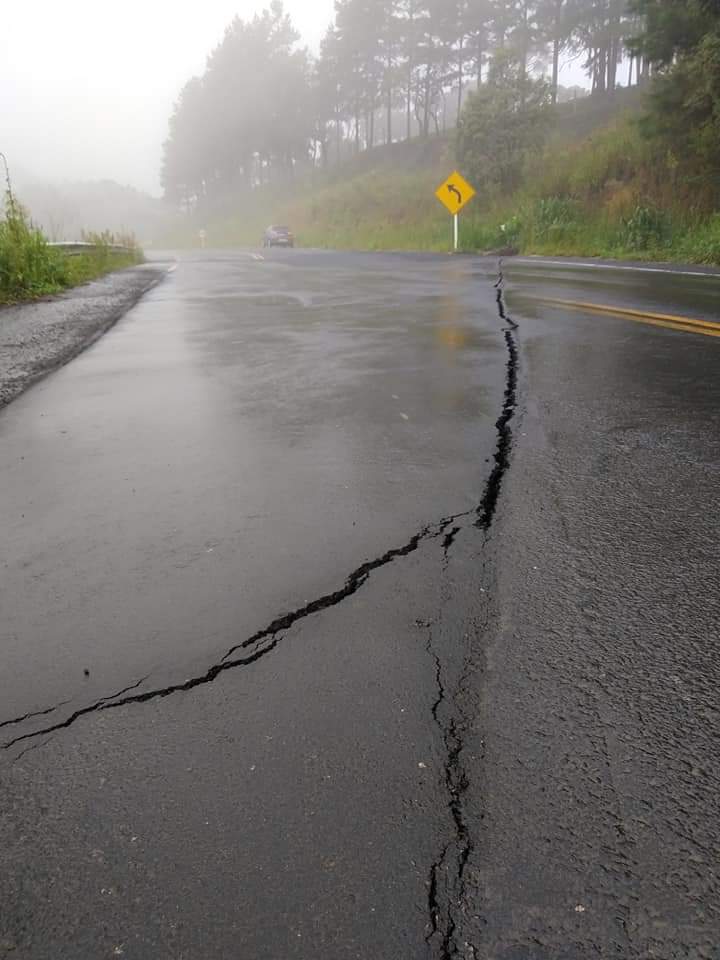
<point>389,100</point>
<point>409,103</point>
<point>417,109</point>
<point>524,50</point>
<point>426,111</point>
<point>461,64</point>
<point>613,57</point>
<point>480,52</point>
<point>601,59</point>
<point>555,69</point>
<point>338,134</point>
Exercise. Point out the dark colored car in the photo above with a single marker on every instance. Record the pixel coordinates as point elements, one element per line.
<point>278,237</point>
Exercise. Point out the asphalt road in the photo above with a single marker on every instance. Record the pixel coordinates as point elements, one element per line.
<point>343,618</point>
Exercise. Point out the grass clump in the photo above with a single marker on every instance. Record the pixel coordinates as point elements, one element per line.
<point>28,266</point>
<point>31,268</point>
<point>108,252</point>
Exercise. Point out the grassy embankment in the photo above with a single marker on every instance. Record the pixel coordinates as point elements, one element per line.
<point>598,189</point>
<point>30,268</point>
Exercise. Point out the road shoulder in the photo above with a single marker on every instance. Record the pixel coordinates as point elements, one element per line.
<point>37,338</point>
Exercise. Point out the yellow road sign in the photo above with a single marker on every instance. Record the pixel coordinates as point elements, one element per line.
<point>455,193</point>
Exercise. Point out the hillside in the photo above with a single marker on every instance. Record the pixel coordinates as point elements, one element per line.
<point>597,189</point>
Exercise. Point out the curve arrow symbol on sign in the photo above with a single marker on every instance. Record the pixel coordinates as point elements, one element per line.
<point>453,189</point>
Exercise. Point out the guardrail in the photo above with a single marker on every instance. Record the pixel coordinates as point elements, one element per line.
<point>77,248</point>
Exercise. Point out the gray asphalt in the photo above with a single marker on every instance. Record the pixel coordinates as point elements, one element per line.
<point>356,622</point>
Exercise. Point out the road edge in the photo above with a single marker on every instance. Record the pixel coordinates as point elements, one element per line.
<point>68,349</point>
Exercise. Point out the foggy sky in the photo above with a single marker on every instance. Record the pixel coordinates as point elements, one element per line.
<point>86,88</point>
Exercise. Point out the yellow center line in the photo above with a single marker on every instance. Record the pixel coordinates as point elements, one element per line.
<point>685,324</point>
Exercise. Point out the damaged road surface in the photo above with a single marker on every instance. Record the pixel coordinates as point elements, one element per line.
<point>344,615</point>
<point>242,585</point>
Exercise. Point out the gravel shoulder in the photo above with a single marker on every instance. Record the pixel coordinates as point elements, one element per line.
<point>37,338</point>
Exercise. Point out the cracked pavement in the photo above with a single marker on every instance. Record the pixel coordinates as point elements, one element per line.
<point>486,725</point>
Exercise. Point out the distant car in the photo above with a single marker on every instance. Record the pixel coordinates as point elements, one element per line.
<point>278,237</point>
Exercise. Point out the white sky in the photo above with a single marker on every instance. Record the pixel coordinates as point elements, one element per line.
<point>86,87</point>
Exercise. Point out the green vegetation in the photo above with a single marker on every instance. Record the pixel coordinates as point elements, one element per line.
<point>503,122</point>
<point>266,111</point>
<point>30,267</point>
<point>102,258</point>
<point>614,194</point>
<point>682,41</point>
<point>628,172</point>
<point>610,194</point>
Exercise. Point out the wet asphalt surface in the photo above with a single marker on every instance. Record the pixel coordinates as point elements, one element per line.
<point>328,661</point>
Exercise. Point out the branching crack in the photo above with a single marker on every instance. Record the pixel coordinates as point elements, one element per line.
<point>457,849</point>
<point>63,703</point>
<point>33,746</point>
<point>453,860</point>
<point>110,703</point>
<point>30,716</point>
<point>262,642</point>
<point>266,640</point>
<point>353,583</point>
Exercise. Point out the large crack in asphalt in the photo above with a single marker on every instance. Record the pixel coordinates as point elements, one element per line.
<point>487,507</point>
<point>447,875</point>
<point>353,583</point>
<point>443,922</point>
<point>446,901</point>
<point>263,642</point>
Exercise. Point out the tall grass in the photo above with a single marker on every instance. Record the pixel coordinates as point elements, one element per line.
<point>610,195</point>
<point>384,209</point>
<point>103,256</point>
<point>30,268</point>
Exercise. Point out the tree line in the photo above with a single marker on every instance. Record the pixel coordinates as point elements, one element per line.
<point>386,70</point>
<point>681,39</point>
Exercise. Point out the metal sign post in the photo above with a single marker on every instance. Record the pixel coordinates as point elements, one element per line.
<point>456,221</point>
